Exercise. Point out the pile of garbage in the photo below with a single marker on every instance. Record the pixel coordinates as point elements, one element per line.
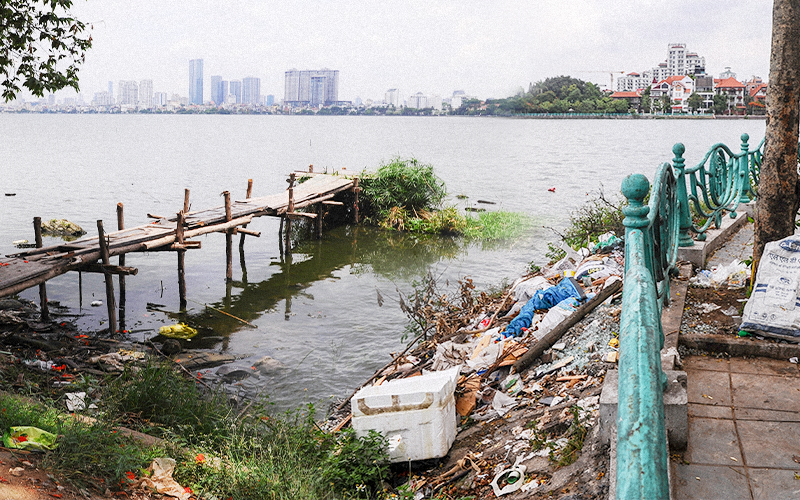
<point>521,422</point>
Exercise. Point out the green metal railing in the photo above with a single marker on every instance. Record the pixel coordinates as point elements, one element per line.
<point>718,184</point>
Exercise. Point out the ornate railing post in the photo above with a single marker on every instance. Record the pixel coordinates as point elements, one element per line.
<point>684,238</point>
<point>744,170</point>
<point>642,461</point>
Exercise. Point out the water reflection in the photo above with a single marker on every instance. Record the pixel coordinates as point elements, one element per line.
<point>394,256</point>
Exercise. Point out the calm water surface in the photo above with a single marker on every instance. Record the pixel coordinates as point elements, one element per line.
<point>317,313</point>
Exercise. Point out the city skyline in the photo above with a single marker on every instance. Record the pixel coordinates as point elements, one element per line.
<point>430,47</point>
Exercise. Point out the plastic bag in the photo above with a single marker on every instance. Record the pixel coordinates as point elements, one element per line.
<point>773,308</point>
<point>29,438</point>
<point>177,331</point>
<point>544,299</point>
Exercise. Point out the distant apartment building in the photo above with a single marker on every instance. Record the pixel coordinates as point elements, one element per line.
<point>251,90</point>
<point>236,91</point>
<point>146,93</point>
<point>103,99</point>
<point>196,81</point>
<point>311,87</point>
<point>392,98</point>
<point>270,100</point>
<point>159,99</point>
<point>632,82</point>
<point>727,74</point>
<point>217,97</point>
<point>417,101</point>
<point>127,93</point>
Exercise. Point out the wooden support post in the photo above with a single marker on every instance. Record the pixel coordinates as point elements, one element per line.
<point>181,261</point>
<point>249,193</point>
<point>185,201</point>
<point>122,290</point>
<point>228,238</point>
<point>320,215</point>
<point>289,210</point>
<point>311,169</point>
<point>43,308</point>
<point>110,302</point>
<point>356,190</point>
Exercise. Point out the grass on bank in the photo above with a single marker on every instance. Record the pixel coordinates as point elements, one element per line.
<point>406,195</point>
<point>219,454</point>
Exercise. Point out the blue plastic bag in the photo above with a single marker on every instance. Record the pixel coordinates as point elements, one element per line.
<point>544,299</point>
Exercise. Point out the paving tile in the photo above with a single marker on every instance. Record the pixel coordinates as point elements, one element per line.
<point>766,392</point>
<point>705,363</point>
<point>773,484</point>
<point>713,442</point>
<point>708,387</point>
<point>764,366</point>
<point>769,444</point>
<point>766,415</point>
<point>714,483</point>
<point>710,411</point>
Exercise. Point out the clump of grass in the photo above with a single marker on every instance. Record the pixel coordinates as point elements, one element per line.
<point>496,226</point>
<point>257,455</point>
<point>597,216</point>
<point>404,183</point>
<point>87,454</point>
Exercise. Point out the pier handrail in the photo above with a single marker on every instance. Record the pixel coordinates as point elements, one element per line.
<point>651,241</point>
<point>718,184</point>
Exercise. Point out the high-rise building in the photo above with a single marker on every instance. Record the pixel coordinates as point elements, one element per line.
<point>111,89</point>
<point>103,99</point>
<point>146,93</point>
<point>236,90</point>
<point>224,91</point>
<point>159,99</point>
<point>392,97</point>
<point>196,81</point>
<point>270,99</point>
<point>251,90</point>
<point>127,93</point>
<point>311,87</point>
<point>217,97</point>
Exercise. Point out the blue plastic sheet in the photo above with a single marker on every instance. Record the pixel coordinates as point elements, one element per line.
<point>544,299</point>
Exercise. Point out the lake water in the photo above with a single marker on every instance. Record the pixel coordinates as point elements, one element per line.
<point>318,313</point>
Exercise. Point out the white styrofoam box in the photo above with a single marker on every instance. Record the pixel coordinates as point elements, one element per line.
<point>417,414</point>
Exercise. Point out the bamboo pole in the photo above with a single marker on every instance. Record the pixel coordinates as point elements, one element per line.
<point>181,261</point>
<point>356,190</point>
<point>112,308</point>
<point>122,289</point>
<point>247,197</point>
<point>185,201</point>
<point>289,210</point>
<point>43,307</point>
<point>228,239</point>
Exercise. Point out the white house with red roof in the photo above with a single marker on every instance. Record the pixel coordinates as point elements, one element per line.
<point>677,88</point>
<point>734,91</point>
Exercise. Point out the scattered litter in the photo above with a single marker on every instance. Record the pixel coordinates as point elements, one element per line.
<point>612,357</point>
<point>97,303</point>
<point>514,477</point>
<point>731,311</point>
<point>503,403</point>
<point>76,401</point>
<point>560,346</point>
<point>160,479</point>
<point>793,360</point>
<point>177,331</point>
<point>16,471</point>
<point>707,308</point>
<point>29,438</point>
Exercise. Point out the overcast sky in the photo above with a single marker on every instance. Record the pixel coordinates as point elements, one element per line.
<point>486,48</point>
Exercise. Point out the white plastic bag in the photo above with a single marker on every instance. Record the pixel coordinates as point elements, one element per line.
<point>774,306</point>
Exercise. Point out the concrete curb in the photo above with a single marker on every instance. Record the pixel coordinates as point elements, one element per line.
<point>737,346</point>
<point>698,253</point>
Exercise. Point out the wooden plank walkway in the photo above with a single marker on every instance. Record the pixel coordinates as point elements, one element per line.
<point>25,269</point>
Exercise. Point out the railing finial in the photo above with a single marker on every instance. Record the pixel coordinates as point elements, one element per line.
<point>635,188</point>
<point>744,170</point>
<point>684,238</point>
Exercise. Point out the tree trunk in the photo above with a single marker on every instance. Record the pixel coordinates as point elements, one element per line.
<point>778,191</point>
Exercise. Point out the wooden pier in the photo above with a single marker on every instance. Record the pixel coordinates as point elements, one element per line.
<point>22,270</point>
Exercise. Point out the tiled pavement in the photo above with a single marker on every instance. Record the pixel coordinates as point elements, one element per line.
<point>744,430</point>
